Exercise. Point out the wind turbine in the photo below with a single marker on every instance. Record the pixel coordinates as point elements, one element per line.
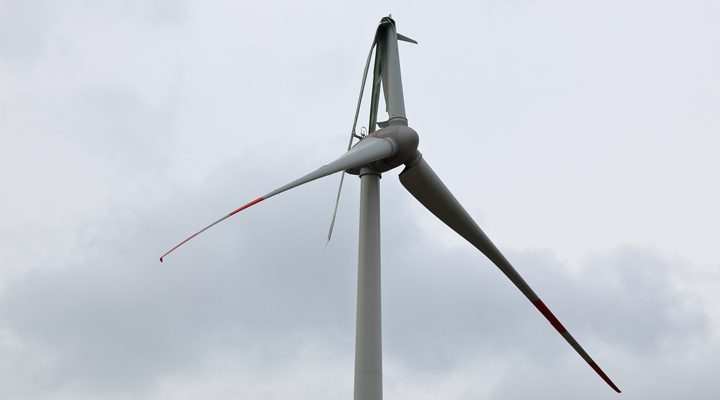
<point>395,144</point>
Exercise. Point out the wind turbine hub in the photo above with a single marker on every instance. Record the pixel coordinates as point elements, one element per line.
<point>405,143</point>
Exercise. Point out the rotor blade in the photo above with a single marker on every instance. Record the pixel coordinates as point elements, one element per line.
<point>366,151</point>
<point>352,136</point>
<point>334,215</point>
<point>422,182</point>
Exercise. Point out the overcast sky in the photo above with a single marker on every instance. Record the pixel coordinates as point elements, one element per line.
<point>582,136</point>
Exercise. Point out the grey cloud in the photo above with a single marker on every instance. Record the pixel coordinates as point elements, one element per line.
<point>261,287</point>
<point>554,125</point>
<point>118,319</point>
<point>23,28</point>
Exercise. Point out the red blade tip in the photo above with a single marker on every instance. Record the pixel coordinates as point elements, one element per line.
<point>259,199</point>
<point>604,377</point>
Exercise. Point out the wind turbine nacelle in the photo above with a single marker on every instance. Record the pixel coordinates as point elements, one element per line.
<point>405,143</point>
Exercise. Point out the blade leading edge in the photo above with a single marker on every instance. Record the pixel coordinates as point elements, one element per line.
<point>422,182</point>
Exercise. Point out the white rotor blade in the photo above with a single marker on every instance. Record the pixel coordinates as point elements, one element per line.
<point>422,182</point>
<point>366,151</point>
<point>352,136</point>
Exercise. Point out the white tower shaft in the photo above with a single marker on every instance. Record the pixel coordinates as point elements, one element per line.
<point>368,333</point>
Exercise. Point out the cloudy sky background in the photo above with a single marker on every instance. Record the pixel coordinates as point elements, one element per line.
<point>582,137</point>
